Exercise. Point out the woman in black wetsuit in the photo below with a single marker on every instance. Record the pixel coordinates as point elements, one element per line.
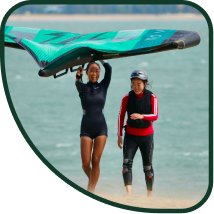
<point>93,126</point>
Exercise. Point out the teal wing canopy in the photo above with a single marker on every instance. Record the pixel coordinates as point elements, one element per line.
<point>58,50</point>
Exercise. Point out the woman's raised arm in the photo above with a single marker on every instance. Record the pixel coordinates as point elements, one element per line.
<point>108,70</point>
<point>79,81</point>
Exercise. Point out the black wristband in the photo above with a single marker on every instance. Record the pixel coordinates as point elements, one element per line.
<point>79,77</point>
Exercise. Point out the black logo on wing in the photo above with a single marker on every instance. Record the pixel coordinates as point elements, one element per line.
<point>96,37</point>
<point>64,42</point>
<point>57,35</point>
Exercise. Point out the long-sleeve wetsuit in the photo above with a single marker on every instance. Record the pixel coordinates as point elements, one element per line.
<point>93,97</point>
<point>135,138</point>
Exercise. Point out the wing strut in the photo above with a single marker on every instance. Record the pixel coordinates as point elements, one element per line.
<point>66,71</point>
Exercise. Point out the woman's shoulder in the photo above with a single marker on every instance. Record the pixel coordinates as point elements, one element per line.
<point>153,95</point>
<point>125,97</point>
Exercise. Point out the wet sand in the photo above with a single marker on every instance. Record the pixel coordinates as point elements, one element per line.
<point>155,203</point>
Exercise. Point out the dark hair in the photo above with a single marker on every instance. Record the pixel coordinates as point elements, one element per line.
<point>90,63</point>
<point>145,82</point>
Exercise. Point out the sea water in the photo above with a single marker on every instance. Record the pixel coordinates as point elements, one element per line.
<point>50,111</point>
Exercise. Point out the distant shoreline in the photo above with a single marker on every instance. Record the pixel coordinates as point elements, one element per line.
<point>103,17</point>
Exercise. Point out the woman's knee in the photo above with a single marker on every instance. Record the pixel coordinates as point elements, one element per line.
<point>148,170</point>
<point>127,165</point>
<point>95,161</point>
<point>85,165</point>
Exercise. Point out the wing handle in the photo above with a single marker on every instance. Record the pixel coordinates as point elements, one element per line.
<point>56,76</point>
<point>66,71</point>
<point>73,70</point>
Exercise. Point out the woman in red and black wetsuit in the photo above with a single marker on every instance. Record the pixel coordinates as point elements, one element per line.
<point>142,109</point>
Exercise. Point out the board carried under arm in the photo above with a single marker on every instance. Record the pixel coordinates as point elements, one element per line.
<point>55,51</point>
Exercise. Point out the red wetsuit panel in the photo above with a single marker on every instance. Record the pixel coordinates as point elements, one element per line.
<point>151,117</point>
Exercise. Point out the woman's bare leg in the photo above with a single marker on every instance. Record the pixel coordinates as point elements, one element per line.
<point>128,190</point>
<point>149,194</point>
<point>86,147</point>
<point>99,144</point>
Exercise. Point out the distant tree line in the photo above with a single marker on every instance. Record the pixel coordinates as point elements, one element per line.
<point>106,9</point>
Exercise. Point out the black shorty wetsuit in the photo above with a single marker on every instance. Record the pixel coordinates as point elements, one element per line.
<point>93,97</point>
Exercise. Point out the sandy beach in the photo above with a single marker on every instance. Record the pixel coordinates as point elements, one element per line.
<point>103,17</point>
<point>155,203</point>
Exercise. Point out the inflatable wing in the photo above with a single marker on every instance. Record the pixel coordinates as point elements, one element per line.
<point>58,50</point>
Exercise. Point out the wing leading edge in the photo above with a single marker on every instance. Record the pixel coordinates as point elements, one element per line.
<point>57,50</point>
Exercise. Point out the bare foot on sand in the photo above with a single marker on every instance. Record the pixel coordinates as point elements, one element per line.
<point>149,194</point>
<point>127,195</point>
<point>128,190</point>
